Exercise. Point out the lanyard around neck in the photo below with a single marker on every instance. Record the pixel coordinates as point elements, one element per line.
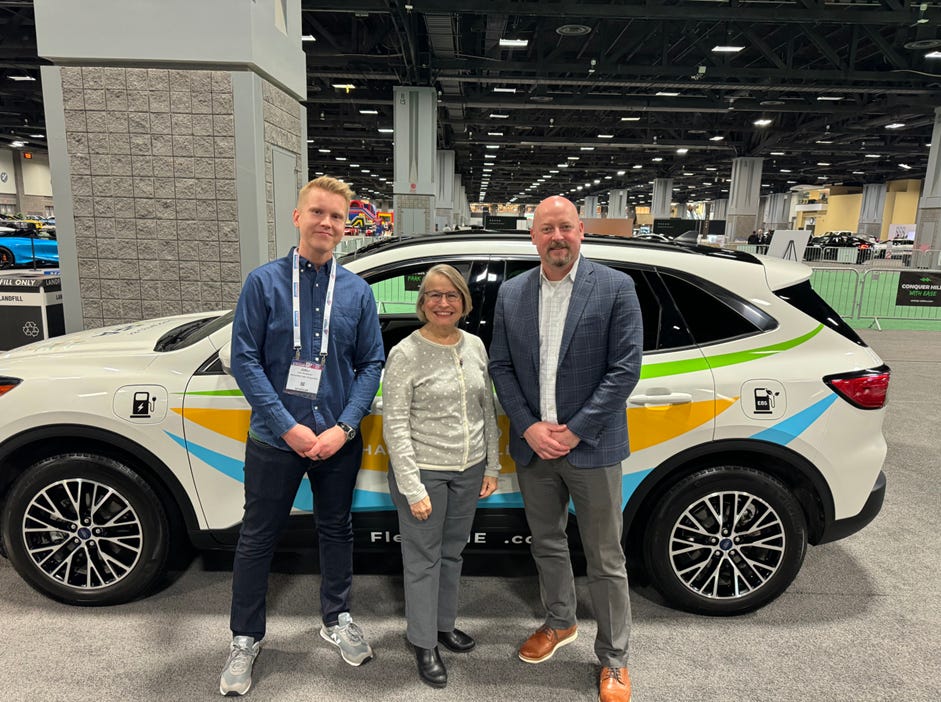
<point>296,307</point>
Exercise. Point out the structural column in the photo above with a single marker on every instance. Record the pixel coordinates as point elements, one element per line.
<point>175,164</point>
<point>872,210</point>
<point>415,185</point>
<point>928,220</point>
<point>662,198</point>
<point>444,197</point>
<point>744,191</point>
<point>777,211</point>
<point>617,204</point>
<point>590,207</point>
<point>719,210</point>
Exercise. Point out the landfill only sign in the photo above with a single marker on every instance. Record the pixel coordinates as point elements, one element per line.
<point>918,289</point>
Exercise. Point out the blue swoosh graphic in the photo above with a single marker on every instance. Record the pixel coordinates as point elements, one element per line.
<point>786,431</point>
<point>368,500</point>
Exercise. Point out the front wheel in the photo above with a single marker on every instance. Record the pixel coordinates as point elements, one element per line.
<point>85,529</point>
<point>725,540</point>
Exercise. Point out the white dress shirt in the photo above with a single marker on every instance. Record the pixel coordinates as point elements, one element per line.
<point>554,299</point>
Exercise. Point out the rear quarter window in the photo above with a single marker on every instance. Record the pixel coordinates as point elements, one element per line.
<point>803,297</point>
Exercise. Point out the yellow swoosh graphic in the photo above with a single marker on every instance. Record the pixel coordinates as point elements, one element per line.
<point>648,426</point>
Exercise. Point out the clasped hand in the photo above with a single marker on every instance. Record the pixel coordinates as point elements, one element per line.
<point>550,440</point>
<point>317,447</point>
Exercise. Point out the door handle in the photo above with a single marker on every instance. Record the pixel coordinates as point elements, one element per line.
<point>673,398</point>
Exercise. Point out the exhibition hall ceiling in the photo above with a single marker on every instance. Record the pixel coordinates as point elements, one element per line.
<point>538,97</point>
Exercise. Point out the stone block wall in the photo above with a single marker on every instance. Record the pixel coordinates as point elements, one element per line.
<point>152,167</point>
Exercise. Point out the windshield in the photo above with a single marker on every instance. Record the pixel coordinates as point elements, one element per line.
<point>189,333</point>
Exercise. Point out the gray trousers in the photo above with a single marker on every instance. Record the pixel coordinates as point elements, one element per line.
<point>431,550</point>
<point>546,487</point>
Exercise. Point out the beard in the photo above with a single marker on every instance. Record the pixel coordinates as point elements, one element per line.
<point>559,261</point>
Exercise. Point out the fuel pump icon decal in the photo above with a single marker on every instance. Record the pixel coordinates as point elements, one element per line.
<point>142,405</point>
<point>764,400</point>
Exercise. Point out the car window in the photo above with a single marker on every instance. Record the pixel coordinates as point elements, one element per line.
<point>663,329</point>
<point>711,313</point>
<point>396,292</point>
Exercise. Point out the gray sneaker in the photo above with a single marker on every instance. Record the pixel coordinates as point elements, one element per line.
<point>237,675</point>
<point>348,637</point>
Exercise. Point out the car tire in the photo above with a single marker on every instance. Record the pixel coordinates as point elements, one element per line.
<point>85,529</point>
<point>725,540</point>
<point>7,258</point>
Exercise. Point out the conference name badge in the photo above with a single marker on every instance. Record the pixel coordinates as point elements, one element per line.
<point>304,379</point>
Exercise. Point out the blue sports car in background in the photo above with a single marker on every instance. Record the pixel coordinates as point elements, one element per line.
<point>20,247</point>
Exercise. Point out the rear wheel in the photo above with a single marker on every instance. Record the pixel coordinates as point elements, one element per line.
<point>725,540</point>
<point>85,529</point>
<point>6,257</point>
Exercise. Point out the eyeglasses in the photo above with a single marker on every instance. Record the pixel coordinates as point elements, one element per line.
<point>450,296</point>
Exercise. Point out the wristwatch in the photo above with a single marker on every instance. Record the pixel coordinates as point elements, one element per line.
<point>348,430</point>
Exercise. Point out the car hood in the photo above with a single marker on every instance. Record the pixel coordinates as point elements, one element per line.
<point>122,341</point>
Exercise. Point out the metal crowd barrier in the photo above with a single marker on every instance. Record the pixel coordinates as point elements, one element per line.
<point>877,298</point>
<point>839,287</point>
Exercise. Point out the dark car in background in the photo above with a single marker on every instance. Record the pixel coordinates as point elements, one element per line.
<point>825,248</point>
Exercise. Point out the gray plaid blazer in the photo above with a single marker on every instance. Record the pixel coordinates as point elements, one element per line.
<point>599,361</point>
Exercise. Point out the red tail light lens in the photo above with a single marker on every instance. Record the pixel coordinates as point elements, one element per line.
<point>865,389</point>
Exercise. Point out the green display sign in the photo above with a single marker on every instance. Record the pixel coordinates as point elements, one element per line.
<point>918,289</point>
<point>413,281</point>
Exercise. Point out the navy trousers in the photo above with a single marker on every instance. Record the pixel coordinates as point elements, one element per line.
<point>272,478</point>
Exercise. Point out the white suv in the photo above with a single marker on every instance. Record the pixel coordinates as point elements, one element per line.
<point>756,428</point>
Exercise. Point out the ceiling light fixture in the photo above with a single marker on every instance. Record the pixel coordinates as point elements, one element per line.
<point>822,163</point>
<point>494,133</point>
<point>895,125</point>
<point>493,146</point>
<point>666,93</point>
<point>777,153</point>
<point>873,156</point>
<point>514,43</point>
<point>831,98</point>
<point>504,90</point>
<point>823,141</point>
<point>586,148</point>
<point>386,130</point>
<point>344,86</point>
<point>933,54</point>
<point>725,49</point>
<point>717,137</point>
<point>369,112</point>
<point>682,151</point>
<point>497,115</point>
<point>605,136</point>
<point>630,119</point>
<point>905,166</point>
<point>21,77</point>
<point>308,37</point>
<point>764,122</point>
<point>620,173</point>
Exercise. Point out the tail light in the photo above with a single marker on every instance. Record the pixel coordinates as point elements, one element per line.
<point>866,389</point>
<point>7,384</point>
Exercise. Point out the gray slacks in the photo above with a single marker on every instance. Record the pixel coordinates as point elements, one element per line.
<point>431,550</point>
<point>546,487</point>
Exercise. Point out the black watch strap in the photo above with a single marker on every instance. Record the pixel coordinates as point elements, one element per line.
<point>348,430</point>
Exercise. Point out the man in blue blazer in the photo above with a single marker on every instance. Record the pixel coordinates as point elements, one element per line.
<point>566,353</point>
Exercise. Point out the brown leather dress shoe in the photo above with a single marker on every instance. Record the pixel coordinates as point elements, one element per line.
<point>543,643</point>
<point>615,685</point>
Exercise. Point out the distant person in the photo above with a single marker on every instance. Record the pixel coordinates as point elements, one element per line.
<point>565,356</point>
<point>309,367</point>
<point>380,230</point>
<point>440,427</point>
<point>753,237</point>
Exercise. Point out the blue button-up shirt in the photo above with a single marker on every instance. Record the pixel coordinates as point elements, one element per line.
<point>263,348</point>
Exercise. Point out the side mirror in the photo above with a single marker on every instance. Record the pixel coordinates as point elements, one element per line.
<point>225,357</point>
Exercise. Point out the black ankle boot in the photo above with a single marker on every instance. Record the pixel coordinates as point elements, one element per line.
<point>456,640</point>
<point>430,666</point>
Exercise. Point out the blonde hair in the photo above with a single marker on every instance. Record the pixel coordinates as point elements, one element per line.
<point>455,278</point>
<point>331,185</point>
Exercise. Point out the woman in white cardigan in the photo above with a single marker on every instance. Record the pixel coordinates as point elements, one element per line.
<point>440,428</point>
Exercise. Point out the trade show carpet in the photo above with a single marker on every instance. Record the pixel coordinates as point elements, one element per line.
<point>861,621</point>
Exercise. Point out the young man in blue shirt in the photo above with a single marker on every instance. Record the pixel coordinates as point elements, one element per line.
<point>307,353</point>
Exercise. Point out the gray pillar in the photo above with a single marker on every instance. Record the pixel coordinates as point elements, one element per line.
<point>161,140</point>
<point>928,220</point>
<point>744,193</point>
<point>444,197</point>
<point>662,198</point>
<point>415,184</point>
<point>590,207</point>
<point>872,210</point>
<point>719,210</point>
<point>617,204</point>
<point>777,211</point>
